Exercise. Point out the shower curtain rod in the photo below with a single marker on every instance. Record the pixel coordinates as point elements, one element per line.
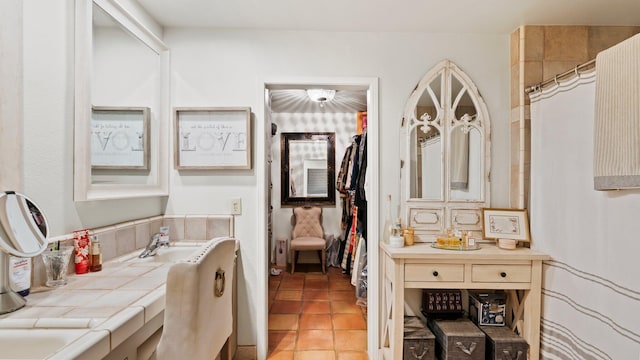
<point>575,71</point>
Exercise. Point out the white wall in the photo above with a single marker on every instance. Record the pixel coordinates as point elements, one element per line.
<point>11,98</point>
<point>228,68</point>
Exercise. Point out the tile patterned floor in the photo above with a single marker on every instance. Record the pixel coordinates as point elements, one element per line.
<point>314,316</point>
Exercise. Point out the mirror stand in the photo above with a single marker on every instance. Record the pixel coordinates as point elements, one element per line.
<point>9,300</point>
<point>23,233</point>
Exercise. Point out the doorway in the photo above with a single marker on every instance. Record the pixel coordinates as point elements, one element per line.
<point>323,315</point>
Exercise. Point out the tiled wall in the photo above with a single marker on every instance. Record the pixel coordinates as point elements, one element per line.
<point>123,238</point>
<point>539,53</point>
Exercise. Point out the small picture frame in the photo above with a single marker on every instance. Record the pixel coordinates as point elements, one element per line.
<point>120,138</point>
<point>212,138</point>
<point>505,224</point>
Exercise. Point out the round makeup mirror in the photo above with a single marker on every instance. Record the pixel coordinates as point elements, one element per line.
<point>23,233</point>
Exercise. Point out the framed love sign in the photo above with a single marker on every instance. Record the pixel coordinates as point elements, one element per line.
<point>216,138</point>
<point>120,138</point>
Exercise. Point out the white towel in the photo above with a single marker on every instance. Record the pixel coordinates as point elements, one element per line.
<point>617,117</point>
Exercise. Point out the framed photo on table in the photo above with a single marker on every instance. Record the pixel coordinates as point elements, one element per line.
<point>505,224</point>
<point>212,138</point>
<point>120,138</point>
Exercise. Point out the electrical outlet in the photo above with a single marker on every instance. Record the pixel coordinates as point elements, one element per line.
<point>236,206</point>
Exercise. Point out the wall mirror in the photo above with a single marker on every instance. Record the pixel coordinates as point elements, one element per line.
<point>446,163</point>
<point>307,169</point>
<point>120,66</point>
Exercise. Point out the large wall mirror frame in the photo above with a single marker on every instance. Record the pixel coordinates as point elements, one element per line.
<point>446,161</point>
<point>119,63</point>
<point>307,174</point>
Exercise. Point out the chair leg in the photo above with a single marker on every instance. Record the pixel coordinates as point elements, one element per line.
<point>293,261</point>
<point>324,256</point>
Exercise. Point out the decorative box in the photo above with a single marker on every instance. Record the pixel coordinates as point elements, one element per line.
<point>487,308</point>
<point>419,341</point>
<point>502,343</point>
<point>458,340</point>
<point>442,303</point>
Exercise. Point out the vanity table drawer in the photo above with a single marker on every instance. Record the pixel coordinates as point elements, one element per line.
<point>501,273</point>
<point>434,272</point>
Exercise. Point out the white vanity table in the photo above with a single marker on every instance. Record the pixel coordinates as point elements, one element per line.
<point>518,272</point>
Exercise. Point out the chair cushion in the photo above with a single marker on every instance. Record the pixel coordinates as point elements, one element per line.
<point>307,243</point>
<point>308,222</point>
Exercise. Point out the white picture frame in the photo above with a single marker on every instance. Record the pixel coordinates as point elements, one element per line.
<point>119,138</point>
<point>212,138</point>
<point>505,224</point>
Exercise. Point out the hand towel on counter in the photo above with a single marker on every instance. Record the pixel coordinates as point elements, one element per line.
<point>617,117</point>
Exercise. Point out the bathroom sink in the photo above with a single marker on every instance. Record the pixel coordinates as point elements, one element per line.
<point>34,343</point>
<point>168,255</point>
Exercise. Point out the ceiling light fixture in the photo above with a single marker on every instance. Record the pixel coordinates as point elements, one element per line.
<point>321,95</point>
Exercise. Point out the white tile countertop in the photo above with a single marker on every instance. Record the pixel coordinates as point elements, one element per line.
<point>93,313</point>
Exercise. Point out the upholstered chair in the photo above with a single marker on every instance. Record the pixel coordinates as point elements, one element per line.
<point>198,316</point>
<point>307,234</point>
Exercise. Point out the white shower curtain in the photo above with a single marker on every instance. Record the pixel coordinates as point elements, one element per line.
<point>591,288</point>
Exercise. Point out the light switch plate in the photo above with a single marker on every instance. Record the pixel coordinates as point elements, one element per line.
<point>236,206</point>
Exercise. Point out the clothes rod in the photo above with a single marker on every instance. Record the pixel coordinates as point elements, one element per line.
<point>555,79</point>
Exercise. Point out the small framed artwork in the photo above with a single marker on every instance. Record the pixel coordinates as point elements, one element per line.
<point>120,137</point>
<point>505,224</point>
<point>212,138</point>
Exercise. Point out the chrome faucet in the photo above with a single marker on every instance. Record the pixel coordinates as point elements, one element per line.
<point>153,245</point>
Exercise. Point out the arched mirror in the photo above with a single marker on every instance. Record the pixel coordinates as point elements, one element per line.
<point>121,101</point>
<point>307,169</point>
<point>23,233</point>
<point>445,165</point>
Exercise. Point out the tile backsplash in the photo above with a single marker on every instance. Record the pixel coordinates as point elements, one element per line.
<point>123,238</point>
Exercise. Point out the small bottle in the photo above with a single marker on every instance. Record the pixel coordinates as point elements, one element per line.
<point>20,275</point>
<point>96,255</point>
<point>81,251</point>
<point>396,239</point>
<point>465,240</point>
<point>471,241</point>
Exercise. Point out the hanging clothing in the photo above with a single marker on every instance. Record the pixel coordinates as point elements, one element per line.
<point>350,182</point>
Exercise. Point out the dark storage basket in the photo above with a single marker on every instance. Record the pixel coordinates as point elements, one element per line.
<point>502,343</point>
<point>442,303</point>
<point>419,341</point>
<point>458,340</point>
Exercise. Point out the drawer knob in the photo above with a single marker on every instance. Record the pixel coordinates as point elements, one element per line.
<point>435,273</point>
<point>503,274</point>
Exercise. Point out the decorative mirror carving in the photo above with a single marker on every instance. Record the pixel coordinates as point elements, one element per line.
<point>446,161</point>
<point>307,169</point>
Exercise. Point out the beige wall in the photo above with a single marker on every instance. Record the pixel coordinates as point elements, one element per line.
<point>11,177</point>
<point>539,53</point>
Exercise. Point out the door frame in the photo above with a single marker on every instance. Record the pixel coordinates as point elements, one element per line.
<point>372,189</point>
